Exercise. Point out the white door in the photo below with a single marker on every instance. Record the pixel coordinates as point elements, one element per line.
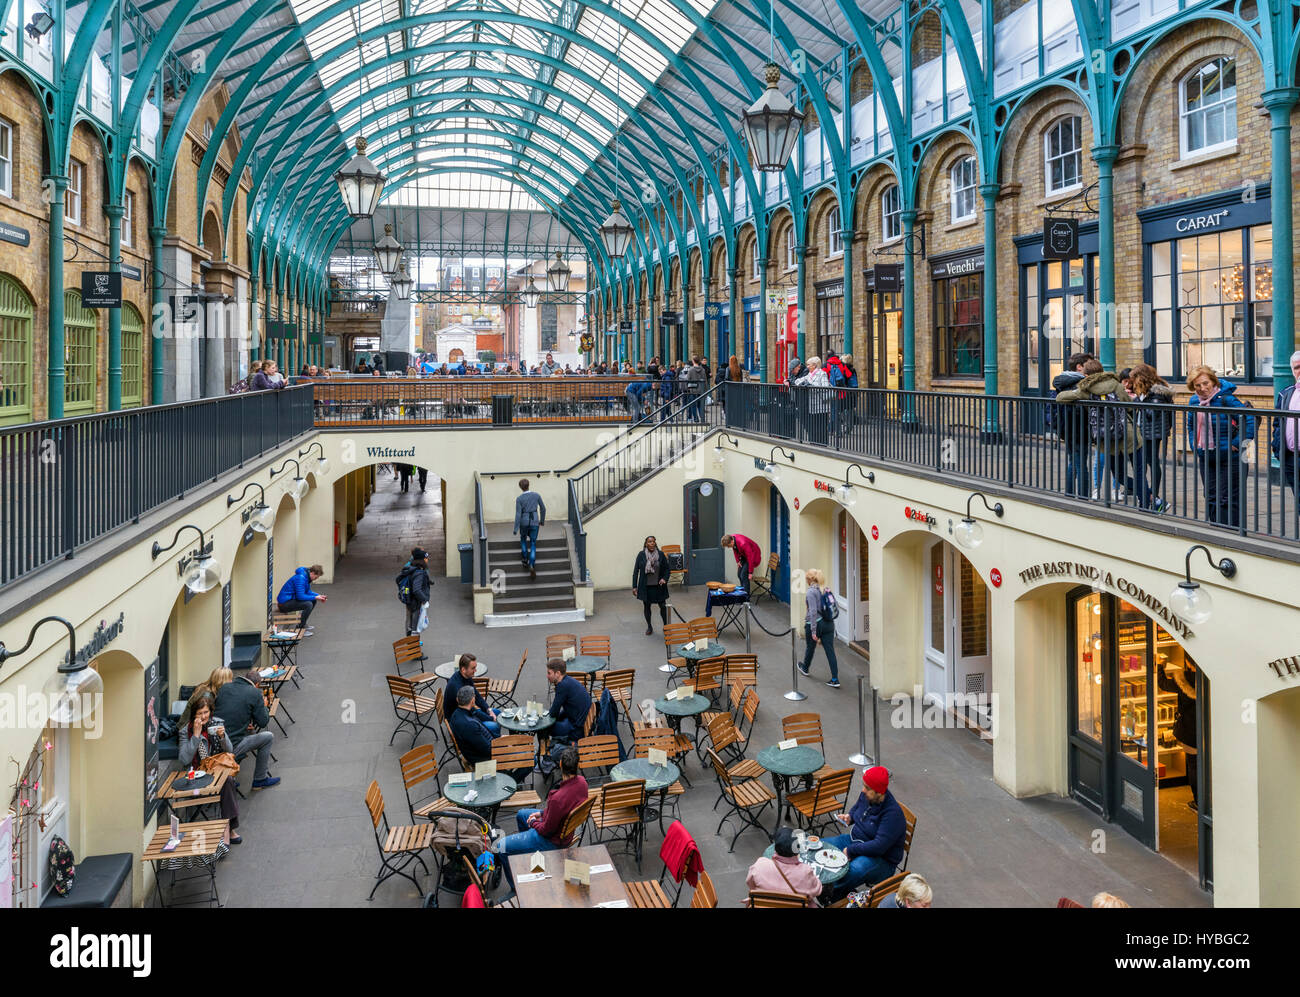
<point>844,575</point>
<point>936,681</point>
<point>957,640</point>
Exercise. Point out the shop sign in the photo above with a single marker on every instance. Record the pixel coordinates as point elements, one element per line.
<point>270,579</point>
<point>919,516</point>
<point>823,486</point>
<point>227,635</point>
<point>833,289</point>
<point>796,504</point>
<point>625,328</point>
<point>101,289</point>
<point>1286,668</point>
<point>875,533</point>
<point>958,266</point>
<point>130,272</point>
<point>12,233</point>
<point>152,715</point>
<point>995,576</point>
<point>1097,577</point>
<point>1196,223</point>
<point>104,635</point>
<point>775,301</point>
<point>1060,238</point>
<point>713,310</point>
<point>887,277</point>
<point>670,318</point>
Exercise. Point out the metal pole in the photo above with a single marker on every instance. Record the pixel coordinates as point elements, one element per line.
<point>749,612</point>
<point>794,695</point>
<point>860,758</point>
<point>875,724</point>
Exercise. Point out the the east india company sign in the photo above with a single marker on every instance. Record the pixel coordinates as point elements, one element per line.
<point>1098,576</point>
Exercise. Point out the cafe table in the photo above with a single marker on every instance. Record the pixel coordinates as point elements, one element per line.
<point>448,668</point>
<point>831,870</point>
<point>198,848</point>
<point>589,664</point>
<point>789,764</point>
<point>676,709</point>
<point>551,891</point>
<point>516,725</point>
<point>695,655</point>
<point>283,643</point>
<point>187,801</point>
<point>658,779</point>
<point>278,676</point>
<point>492,792</point>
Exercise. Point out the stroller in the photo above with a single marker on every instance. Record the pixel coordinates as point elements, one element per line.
<point>459,835</point>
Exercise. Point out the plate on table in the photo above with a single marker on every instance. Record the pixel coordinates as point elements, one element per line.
<point>509,713</point>
<point>831,858</point>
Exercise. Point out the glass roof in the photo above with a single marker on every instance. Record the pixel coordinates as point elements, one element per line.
<point>485,92</point>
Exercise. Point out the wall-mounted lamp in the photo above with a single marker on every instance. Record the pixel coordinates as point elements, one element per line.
<point>323,463</point>
<point>1188,599</point>
<point>73,681</point>
<point>298,486</point>
<point>202,571</point>
<point>40,23</point>
<point>772,470</point>
<point>262,517</point>
<point>847,495</point>
<point>719,452</point>
<point>969,532</point>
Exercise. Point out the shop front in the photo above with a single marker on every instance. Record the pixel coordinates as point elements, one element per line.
<point>1057,317</point>
<point>958,300</point>
<point>957,643</point>
<point>1208,274</point>
<point>787,339</point>
<point>748,350</point>
<point>1139,728</point>
<point>850,579</point>
<point>881,365</point>
<point>830,319</point>
<point>670,326</point>
<point>717,314</point>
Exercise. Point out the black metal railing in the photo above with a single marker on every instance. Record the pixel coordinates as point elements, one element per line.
<point>469,401</point>
<point>68,482</point>
<point>1235,468</point>
<point>578,533</point>
<point>480,537</point>
<point>683,422</point>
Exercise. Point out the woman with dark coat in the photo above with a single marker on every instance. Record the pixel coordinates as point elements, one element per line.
<point>650,580</point>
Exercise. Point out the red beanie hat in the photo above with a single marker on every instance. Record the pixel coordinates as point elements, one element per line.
<point>876,778</point>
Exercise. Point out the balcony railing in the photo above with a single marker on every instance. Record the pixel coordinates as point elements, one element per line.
<point>68,482</point>
<point>1214,466</point>
<point>470,401</point>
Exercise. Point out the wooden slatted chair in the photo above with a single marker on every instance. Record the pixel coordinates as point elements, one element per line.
<point>678,575</point>
<point>596,645</point>
<point>647,894</point>
<point>666,740</point>
<point>829,796</point>
<point>501,692</point>
<point>620,808</point>
<point>513,754</point>
<point>748,711</point>
<point>910,819</point>
<point>419,765</point>
<point>453,749</point>
<point>742,669</point>
<point>705,895</point>
<point>398,846</point>
<point>407,650</point>
<point>417,712</point>
<point>727,742</point>
<point>748,799</point>
<point>472,870</point>
<point>703,626</point>
<point>735,694</point>
<point>708,677</point>
<point>760,586</point>
<point>575,825</point>
<point>885,888</point>
<point>771,898</point>
<point>806,728</point>
<point>597,754</point>
<point>582,678</point>
<point>556,644</point>
<point>590,723</point>
<point>675,635</point>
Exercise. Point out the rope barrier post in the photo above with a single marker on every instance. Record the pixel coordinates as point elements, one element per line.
<point>666,668</point>
<point>875,723</point>
<point>749,612</point>
<point>860,757</point>
<point>794,695</point>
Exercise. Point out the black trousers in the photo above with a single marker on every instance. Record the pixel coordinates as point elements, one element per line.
<point>663,610</point>
<point>305,606</point>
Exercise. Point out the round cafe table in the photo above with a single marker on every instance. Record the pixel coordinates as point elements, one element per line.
<point>826,874</point>
<point>517,726</point>
<point>798,761</point>
<point>492,792</point>
<point>448,668</point>
<point>676,709</point>
<point>657,780</point>
<point>587,663</point>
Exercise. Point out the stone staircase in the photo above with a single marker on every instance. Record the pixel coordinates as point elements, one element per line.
<point>520,600</point>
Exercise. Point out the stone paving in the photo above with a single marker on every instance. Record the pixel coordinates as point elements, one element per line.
<point>308,841</point>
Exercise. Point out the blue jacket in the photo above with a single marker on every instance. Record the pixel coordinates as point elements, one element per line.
<point>1280,423</point>
<point>297,588</point>
<point>572,702</point>
<point>667,383</point>
<point>1226,430</point>
<point>473,739</point>
<point>877,829</point>
<point>639,388</point>
<point>454,685</point>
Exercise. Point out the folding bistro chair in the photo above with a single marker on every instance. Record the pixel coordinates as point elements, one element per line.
<point>748,799</point>
<point>514,755</point>
<point>453,749</point>
<point>596,645</point>
<point>620,808</point>
<point>675,635</point>
<point>618,683</point>
<point>651,893</point>
<point>412,710</point>
<point>910,820</point>
<point>665,739</point>
<point>419,765</point>
<point>597,754</point>
<point>771,898</point>
<point>806,728</point>
<point>398,846</point>
<point>501,692</point>
<point>708,677</point>
<point>748,711</point>
<point>817,806</point>
<point>406,650</point>
<point>726,741</point>
<point>705,895</point>
<point>703,626</point>
<point>743,669</point>
<point>557,644</point>
<point>677,575</point>
<point>762,586</point>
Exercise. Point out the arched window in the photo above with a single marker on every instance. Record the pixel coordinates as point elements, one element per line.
<point>962,178</point>
<point>132,357</point>
<point>1063,154</point>
<point>1207,104</point>
<point>891,212</point>
<point>15,353</point>
<point>834,241</point>
<point>79,327</point>
<point>791,256</point>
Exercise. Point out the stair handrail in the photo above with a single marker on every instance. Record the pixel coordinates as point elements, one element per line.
<point>578,533</point>
<point>481,540</point>
<point>702,401</point>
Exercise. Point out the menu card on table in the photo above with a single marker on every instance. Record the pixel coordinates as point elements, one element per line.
<point>485,770</point>
<point>788,744</point>
<point>537,862</point>
<point>459,779</point>
<point>534,708</point>
<point>685,691</point>
<point>657,756</point>
<point>175,838</point>
<point>578,873</point>
<point>569,653</point>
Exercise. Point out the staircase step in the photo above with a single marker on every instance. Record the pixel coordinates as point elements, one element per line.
<point>554,544</point>
<point>548,617</point>
<point>527,588</point>
<point>505,603</point>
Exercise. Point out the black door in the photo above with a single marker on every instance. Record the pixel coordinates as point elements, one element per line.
<point>703,532</point>
<point>1086,639</point>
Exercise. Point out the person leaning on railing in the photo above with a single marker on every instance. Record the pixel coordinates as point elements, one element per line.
<point>1217,438</point>
<point>1111,428</point>
<point>819,405</point>
<point>1285,441</point>
<point>1155,424</point>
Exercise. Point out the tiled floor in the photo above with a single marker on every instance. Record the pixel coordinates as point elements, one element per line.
<point>308,841</point>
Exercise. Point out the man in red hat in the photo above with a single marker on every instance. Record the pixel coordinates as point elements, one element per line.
<point>876,824</point>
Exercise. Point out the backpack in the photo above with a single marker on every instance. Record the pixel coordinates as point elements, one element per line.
<point>404,585</point>
<point>63,869</point>
<point>828,605</point>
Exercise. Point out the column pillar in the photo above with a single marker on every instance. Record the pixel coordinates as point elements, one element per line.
<point>158,326</point>
<point>114,213</point>
<point>737,318</point>
<point>1280,104</point>
<point>1104,156</point>
<point>989,191</point>
<point>255,335</point>
<point>762,319</point>
<point>846,241</point>
<point>801,343</point>
<point>908,216</point>
<point>56,378</point>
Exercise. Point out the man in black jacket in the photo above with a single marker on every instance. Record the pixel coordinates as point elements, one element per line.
<point>571,704</point>
<point>1072,425</point>
<point>415,580</point>
<point>463,677</point>
<point>241,706</point>
<point>472,736</point>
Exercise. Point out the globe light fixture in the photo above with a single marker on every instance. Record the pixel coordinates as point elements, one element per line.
<point>75,689</point>
<point>1189,600</point>
<point>262,516</point>
<point>848,495</point>
<point>388,252</point>
<point>969,533</point>
<point>199,568</point>
<point>558,273</point>
<point>616,232</point>
<point>322,462</point>
<point>771,125</point>
<point>298,486</point>
<point>771,468</point>
<point>360,183</point>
